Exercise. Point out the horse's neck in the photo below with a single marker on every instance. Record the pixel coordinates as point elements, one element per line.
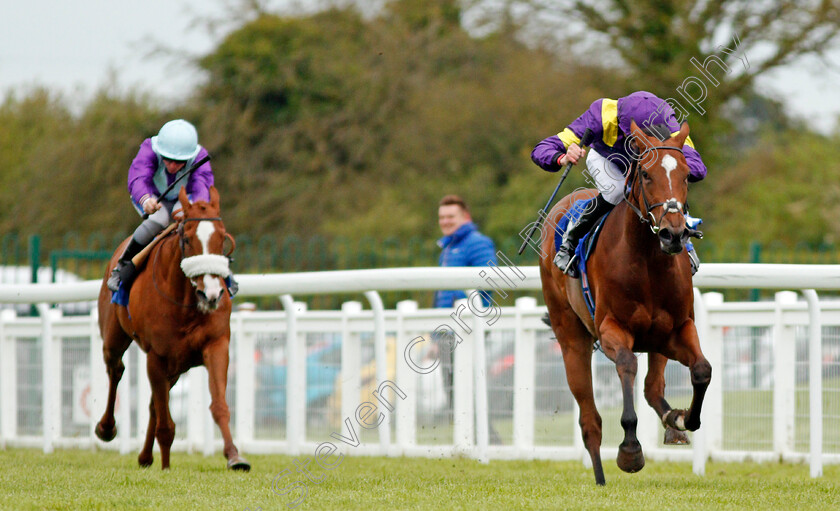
<point>169,276</point>
<point>639,240</point>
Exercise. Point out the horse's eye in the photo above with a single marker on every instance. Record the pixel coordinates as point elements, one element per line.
<point>645,175</point>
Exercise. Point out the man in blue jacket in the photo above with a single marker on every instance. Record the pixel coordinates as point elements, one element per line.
<point>462,245</point>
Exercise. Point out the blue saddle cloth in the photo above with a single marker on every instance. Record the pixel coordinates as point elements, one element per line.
<point>121,296</point>
<point>584,247</point>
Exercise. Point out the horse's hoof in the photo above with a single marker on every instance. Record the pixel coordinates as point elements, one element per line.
<point>145,462</point>
<point>105,435</point>
<point>238,463</point>
<point>674,437</point>
<point>675,419</point>
<point>630,457</point>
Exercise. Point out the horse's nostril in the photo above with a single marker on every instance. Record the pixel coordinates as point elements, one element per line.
<point>665,235</point>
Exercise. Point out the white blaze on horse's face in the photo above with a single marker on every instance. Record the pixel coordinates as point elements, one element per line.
<point>206,229</point>
<point>206,269</point>
<point>212,287</point>
<point>669,163</point>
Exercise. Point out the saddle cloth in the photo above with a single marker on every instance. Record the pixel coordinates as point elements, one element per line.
<point>584,247</point>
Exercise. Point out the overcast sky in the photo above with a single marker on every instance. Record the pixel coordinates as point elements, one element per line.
<point>73,46</point>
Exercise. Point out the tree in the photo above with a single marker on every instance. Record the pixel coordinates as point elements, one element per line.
<point>699,54</point>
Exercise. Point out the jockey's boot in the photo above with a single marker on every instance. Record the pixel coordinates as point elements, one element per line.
<point>232,285</point>
<point>693,257</point>
<point>597,208</point>
<point>125,270</point>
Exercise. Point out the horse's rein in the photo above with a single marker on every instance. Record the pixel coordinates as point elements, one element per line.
<point>670,206</point>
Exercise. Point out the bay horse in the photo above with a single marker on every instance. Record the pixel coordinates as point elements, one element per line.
<point>179,314</point>
<point>640,277</point>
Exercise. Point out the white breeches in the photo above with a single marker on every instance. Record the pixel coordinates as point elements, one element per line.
<point>607,176</point>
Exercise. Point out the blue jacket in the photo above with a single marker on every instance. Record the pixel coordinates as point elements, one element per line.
<point>464,247</point>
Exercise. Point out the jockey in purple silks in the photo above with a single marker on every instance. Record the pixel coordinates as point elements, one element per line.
<point>611,155</point>
<point>161,160</point>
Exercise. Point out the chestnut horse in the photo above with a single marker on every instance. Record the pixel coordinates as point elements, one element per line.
<point>640,277</point>
<point>179,314</point>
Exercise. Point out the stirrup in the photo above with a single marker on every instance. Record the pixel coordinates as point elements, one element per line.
<point>571,270</point>
<point>568,268</point>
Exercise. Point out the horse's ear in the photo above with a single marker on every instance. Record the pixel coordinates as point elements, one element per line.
<point>214,197</point>
<point>642,141</point>
<point>680,137</point>
<point>182,196</point>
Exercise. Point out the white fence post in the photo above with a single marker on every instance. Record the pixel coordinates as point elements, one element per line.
<point>245,378</point>
<point>815,381</point>
<point>784,376</point>
<point>700,438</point>
<point>144,394</point>
<point>295,379</point>
<point>196,382</point>
<point>711,341</point>
<point>462,388</point>
<point>51,376</point>
<point>524,377</point>
<point>351,363</point>
<point>98,377</point>
<point>406,419</point>
<point>8,380</point>
<point>381,351</point>
<point>482,411</point>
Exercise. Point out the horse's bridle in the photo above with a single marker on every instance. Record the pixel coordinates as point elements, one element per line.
<point>182,237</point>
<point>669,206</point>
<point>182,241</point>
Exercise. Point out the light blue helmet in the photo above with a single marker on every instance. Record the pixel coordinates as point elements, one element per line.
<point>177,140</point>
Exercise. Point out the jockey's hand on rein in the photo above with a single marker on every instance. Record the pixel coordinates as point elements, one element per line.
<point>573,154</point>
<point>151,205</point>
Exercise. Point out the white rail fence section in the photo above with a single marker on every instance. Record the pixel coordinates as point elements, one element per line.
<point>376,382</point>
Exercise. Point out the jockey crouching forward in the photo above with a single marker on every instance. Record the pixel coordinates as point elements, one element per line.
<point>161,160</point>
<point>611,155</point>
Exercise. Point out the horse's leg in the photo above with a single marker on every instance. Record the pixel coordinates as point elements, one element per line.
<point>115,342</point>
<point>578,362</point>
<point>687,351</point>
<point>216,359</point>
<point>655,396</point>
<point>164,425</point>
<point>616,343</point>
<point>146,458</point>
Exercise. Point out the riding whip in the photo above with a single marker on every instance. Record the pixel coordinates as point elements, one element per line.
<point>584,142</point>
<point>192,169</point>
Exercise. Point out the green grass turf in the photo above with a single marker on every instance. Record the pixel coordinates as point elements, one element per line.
<point>76,479</point>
